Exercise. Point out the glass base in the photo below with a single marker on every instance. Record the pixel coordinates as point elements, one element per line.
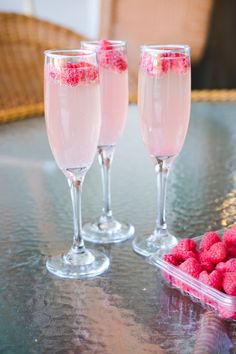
<point>149,244</point>
<point>104,231</point>
<point>78,265</point>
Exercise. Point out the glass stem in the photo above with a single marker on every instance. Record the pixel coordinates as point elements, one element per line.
<point>105,156</point>
<point>162,170</point>
<point>75,191</point>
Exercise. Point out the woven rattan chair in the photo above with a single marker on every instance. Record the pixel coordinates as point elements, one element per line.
<point>22,42</point>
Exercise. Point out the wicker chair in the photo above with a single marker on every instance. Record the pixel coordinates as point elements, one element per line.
<point>22,41</point>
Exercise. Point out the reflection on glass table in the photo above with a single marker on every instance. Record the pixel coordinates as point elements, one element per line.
<point>127,308</point>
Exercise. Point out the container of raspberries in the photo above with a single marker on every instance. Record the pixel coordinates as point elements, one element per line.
<point>204,268</point>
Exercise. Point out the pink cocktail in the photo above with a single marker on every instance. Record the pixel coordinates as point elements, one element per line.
<point>113,72</point>
<point>114,104</point>
<point>164,96</point>
<point>73,120</point>
<point>164,108</point>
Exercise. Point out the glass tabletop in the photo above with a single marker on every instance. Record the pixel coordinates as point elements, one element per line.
<point>129,309</point>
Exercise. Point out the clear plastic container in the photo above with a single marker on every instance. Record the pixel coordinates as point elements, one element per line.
<point>223,304</point>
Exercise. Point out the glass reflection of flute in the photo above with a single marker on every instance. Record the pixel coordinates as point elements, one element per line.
<point>212,336</point>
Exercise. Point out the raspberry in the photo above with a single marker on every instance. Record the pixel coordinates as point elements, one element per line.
<point>185,249</point>
<point>229,237</point>
<point>229,283</point>
<point>155,65</point>
<point>180,63</point>
<point>214,279</point>
<point>105,58</point>
<point>70,75</point>
<point>208,266</point>
<point>170,258</point>
<point>182,255</point>
<point>158,65</point>
<point>208,239</point>
<point>205,263</point>
<point>186,244</point>
<point>231,251</point>
<point>74,73</point>
<point>217,253</point>
<point>120,64</point>
<point>105,44</point>
<point>191,266</point>
<point>164,64</point>
<point>203,257</point>
<point>221,267</point>
<point>112,59</point>
<point>90,70</point>
<point>230,265</point>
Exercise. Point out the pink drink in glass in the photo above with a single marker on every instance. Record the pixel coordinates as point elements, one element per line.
<point>73,120</point>
<point>164,97</point>
<point>114,103</point>
<point>164,102</point>
<point>113,71</point>
<point>72,109</point>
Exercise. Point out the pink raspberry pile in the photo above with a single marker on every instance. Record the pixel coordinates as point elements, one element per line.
<point>158,65</point>
<point>214,263</point>
<point>72,74</point>
<point>110,57</point>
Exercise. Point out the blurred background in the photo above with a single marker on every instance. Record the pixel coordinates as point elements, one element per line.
<point>208,26</point>
<point>81,16</point>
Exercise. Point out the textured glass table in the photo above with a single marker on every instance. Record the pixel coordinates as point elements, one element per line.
<point>129,310</point>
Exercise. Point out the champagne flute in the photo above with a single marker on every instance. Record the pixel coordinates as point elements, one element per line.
<point>112,59</point>
<point>72,112</point>
<point>164,99</point>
